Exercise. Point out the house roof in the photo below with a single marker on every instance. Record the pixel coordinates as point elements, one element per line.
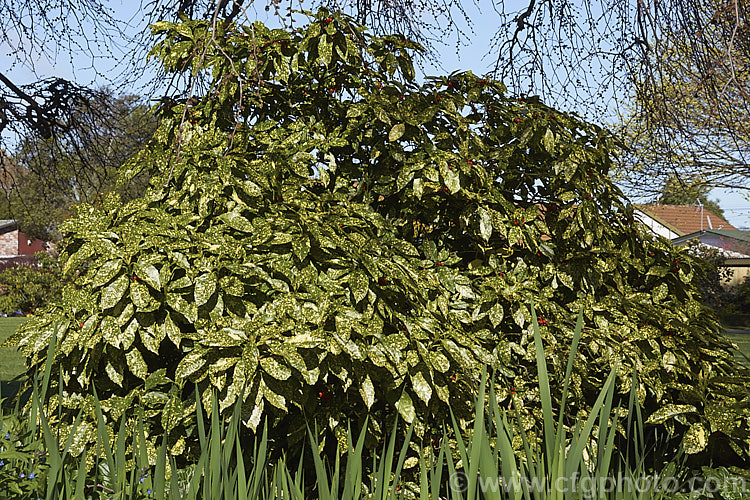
<point>685,219</point>
<point>734,234</point>
<point>7,225</point>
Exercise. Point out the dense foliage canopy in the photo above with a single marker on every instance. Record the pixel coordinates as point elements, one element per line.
<point>326,238</point>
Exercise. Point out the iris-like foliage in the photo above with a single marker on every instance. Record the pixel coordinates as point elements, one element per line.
<point>327,239</point>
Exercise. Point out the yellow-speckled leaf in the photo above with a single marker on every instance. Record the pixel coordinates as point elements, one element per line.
<point>358,284</point>
<point>172,331</point>
<point>660,292</point>
<point>669,411</point>
<point>276,400</point>
<point>106,272</point>
<point>205,286</point>
<point>719,418</point>
<point>236,221</point>
<point>128,334</point>
<point>405,408</point>
<point>443,393</point>
<point>256,415</point>
<point>421,387</point>
<point>136,364</point>
<point>140,295</point>
<point>190,364</point>
<point>275,369</point>
<point>695,439</point>
<point>182,306</point>
<point>440,362</point>
<point>172,413</point>
<point>112,293</point>
<point>148,274</point>
<point>367,391</point>
<point>495,314</point>
<point>111,331</point>
<point>114,374</point>
<point>396,132</point>
<point>159,377</point>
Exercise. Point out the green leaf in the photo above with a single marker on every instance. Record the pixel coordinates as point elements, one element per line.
<point>440,362</point>
<point>172,331</point>
<point>418,187</point>
<point>397,131</point>
<point>275,399</point>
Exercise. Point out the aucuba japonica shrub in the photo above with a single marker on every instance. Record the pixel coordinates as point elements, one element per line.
<point>326,238</point>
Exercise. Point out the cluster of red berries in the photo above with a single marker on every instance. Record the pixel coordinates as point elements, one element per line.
<point>542,321</point>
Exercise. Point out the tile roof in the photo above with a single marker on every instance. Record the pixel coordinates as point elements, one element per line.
<point>685,219</point>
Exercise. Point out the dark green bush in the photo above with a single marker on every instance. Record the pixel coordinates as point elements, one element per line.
<point>28,288</point>
<point>328,239</point>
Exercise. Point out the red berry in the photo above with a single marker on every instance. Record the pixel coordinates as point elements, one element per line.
<point>440,264</point>
<point>80,324</point>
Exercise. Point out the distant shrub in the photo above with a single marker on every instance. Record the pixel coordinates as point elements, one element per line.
<point>28,288</point>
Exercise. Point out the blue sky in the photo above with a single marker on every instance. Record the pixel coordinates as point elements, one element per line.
<point>468,55</point>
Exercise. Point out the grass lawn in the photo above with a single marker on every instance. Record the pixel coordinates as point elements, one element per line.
<point>12,363</point>
<point>743,342</point>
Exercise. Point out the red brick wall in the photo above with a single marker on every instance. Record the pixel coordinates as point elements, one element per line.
<point>24,248</point>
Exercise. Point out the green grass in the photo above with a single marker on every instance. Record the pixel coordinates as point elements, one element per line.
<point>12,363</point>
<point>743,342</point>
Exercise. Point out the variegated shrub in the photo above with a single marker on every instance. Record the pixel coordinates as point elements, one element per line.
<point>327,238</point>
